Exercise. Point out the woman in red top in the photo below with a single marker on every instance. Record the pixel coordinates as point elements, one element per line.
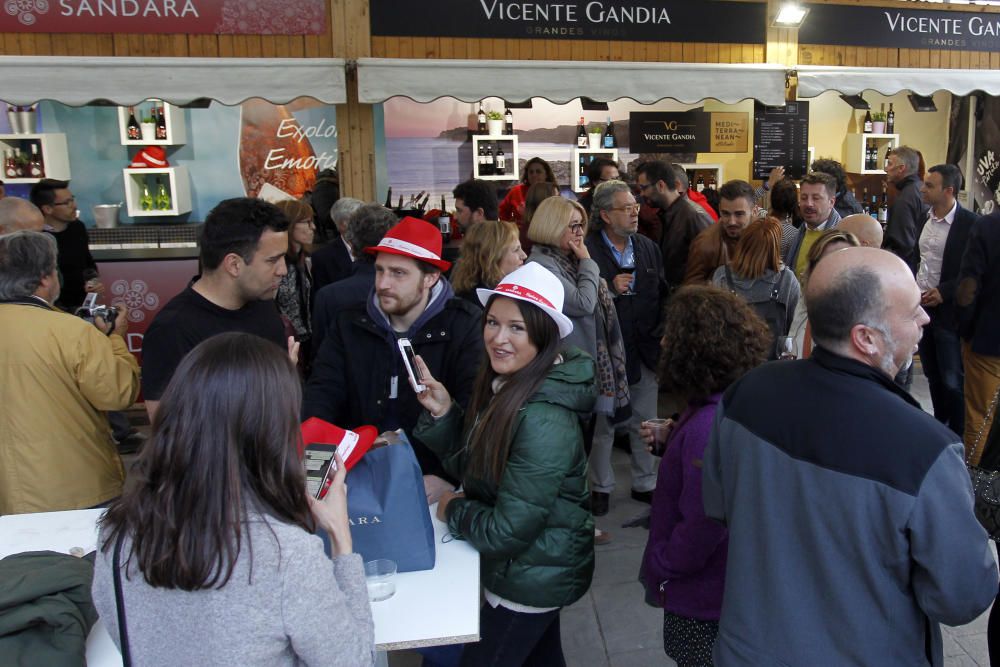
<point>536,170</point>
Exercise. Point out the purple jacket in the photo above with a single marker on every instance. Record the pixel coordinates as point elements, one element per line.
<point>685,558</point>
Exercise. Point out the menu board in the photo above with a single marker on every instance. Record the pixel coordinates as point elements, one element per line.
<point>781,139</point>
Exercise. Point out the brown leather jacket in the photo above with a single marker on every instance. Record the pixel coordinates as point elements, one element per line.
<point>709,250</point>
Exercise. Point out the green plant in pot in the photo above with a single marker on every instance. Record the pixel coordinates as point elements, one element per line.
<point>494,123</point>
<point>878,117</point>
<point>494,115</point>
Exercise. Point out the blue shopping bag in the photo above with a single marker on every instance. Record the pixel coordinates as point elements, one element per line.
<point>387,507</point>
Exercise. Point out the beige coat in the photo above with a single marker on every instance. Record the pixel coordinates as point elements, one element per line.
<point>58,374</point>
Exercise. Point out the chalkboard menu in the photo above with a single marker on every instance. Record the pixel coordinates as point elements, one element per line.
<point>781,139</point>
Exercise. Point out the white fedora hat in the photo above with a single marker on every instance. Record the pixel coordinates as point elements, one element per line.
<point>535,284</point>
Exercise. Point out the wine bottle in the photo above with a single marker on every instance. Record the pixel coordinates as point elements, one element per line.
<point>864,203</point>
<point>145,199</point>
<point>162,201</point>
<point>699,183</point>
<point>874,207</point>
<point>423,204</point>
<point>132,130</point>
<point>481,120</point>
<point>19,163</point>
<point>711,182</point>
<point>36,169</point>
<point>161,125</point>
<point>490,162</point>
<point>481,160</point>
<point>868,122</point>
<point>609,135</point>
<point>9,166</point>
<point>508,121</point>
<point>399,204</point>
<point>883,210</point>
<point>501,164</point>
<point>581,135</point>
<point>890,121</point>
<point>444,222</point>
<point>388,198</point>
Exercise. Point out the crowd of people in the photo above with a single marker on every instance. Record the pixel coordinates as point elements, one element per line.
<point>802,512</point>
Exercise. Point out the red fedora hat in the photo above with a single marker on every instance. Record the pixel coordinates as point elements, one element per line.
<point>413,238</point>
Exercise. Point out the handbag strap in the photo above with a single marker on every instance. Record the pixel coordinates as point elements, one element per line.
<point>982,427</point>
<point>120,601</point>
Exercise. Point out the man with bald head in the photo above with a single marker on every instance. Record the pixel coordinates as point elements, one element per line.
<point>18,214</point>
<point>851,528</point>
<point>864,227</point>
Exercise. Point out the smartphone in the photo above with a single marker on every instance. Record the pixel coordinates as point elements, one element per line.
<point>410,361</point>
<point>320,466</point>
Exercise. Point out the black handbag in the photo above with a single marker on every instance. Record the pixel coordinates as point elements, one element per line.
<point>986,483</point>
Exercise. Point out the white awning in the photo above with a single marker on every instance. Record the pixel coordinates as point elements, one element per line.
<point>815,80</point>
<point>560,81</point>
<point>80,80</point>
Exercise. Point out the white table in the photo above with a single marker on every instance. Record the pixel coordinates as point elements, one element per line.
<point>430,608</point>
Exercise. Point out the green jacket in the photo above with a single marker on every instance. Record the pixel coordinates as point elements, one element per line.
<point>534,532</point>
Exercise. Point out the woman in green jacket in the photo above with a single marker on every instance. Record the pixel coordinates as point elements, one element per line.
<point>519,452</point>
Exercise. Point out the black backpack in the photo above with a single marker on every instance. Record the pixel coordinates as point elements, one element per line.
<point>771,308</point>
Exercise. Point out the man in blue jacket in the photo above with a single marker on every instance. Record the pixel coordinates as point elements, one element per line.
<point>851,529</point>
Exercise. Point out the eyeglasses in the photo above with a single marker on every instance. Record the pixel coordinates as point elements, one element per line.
<point>69,202</point>
<point>576,227</point>
<point>628,208</point>
<point>642,188</point>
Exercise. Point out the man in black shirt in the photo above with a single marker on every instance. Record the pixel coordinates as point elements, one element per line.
<point>76,265</point>
<point>243,245</point>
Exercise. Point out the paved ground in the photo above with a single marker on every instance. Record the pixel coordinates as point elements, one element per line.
<point>611,626</point>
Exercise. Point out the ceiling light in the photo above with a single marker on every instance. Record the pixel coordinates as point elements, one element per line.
<point>790,15</point>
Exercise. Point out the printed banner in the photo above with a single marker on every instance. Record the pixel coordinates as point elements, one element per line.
<point>232,17</point>
<point>688,132</point>
<point>851,25</point>
<point>716,21</point>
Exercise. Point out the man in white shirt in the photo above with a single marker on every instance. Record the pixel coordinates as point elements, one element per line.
<point>941,244</point>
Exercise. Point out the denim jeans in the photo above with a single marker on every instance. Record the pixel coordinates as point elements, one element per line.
<point>511,639</point>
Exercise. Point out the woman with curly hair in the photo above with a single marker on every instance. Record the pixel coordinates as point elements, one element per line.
<point>490,250</point>
<point>757,274</point>
<point>711,338</point>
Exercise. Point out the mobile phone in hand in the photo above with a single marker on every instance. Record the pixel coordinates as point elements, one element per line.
<point>320,466</point>
<point>410,361</point>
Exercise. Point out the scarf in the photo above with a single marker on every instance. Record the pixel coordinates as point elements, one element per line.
<point>612,380</point>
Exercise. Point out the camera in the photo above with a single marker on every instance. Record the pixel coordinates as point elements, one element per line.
<point>90,311</point>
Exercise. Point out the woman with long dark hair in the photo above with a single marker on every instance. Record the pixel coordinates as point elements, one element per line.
<point>214,531</point>
<point>710,339</point>
<point>519,453</point>
<point>294,296</point>
<point>536,170</point>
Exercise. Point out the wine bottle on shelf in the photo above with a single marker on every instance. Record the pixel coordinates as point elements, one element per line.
<point>501,163</point>
<point>161,125</point>
<point>19,163</point>
<point>874,207</point>
<point>581,134</point>
<point>444,222</point>
<point>36,168</point>
<point>609,135</point>
<point>423,204</point>
<point>868,122</point>
<point>388,198</point>
<point>145,199</point>
<point>890,121</point>
<point>481,120</point>
<point>699,183</point>
<point>869,162</point>
<point>508,121</point>
<point>399,204</point>
<point>162,200</point>
<point>883,210</point>
<point>864,203</point>
<point>711,182</point>
<point>481,160</point>
<point>9,165</point>
<point>490,162</point>
<point>132,129</point>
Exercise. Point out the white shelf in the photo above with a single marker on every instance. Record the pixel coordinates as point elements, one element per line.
<point>173,117</point>
<point>579,164</point>
<point>511,156</point>
<point>716,168</point>
<point>178,184</point>
<point>857,143</point>
<point>55,157</point>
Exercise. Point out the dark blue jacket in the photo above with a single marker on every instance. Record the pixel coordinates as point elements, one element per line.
<point>978,294</point>
<point>330,263</point>
<point>954,248</point>
<point>851,528</point>
<point>639,313</point>
<point>350,292</point>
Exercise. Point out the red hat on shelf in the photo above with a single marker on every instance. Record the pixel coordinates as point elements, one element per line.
<point>414,238</point>
<point>150,157</point>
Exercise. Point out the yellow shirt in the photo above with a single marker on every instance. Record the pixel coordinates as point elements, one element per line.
<point>803,259</point>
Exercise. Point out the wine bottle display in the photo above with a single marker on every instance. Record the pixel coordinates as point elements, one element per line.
<point>161,125</point>
<point>581,134</point>
<point>609,135</point>
<point>388,198</point>
<point>868,122</point>
<point>36,169</point>
<point>501,164</point>
<point>132,129</point>
<point>162,200</point>
<point>481,120</point>
<point>890,121</point>
<point>508,121</point>
<point>145,199</point>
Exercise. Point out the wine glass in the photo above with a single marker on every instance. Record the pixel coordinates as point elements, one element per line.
<point>786,348</point>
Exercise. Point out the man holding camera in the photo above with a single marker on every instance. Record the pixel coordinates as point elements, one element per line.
<point>60,374</point>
